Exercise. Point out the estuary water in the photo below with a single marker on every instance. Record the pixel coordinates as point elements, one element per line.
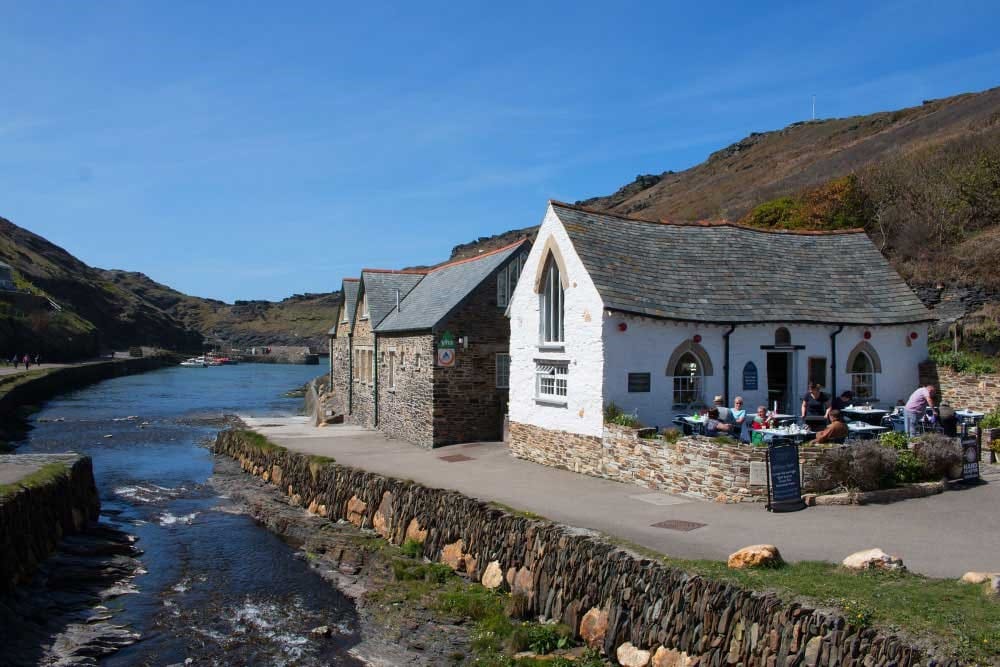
<point>216,588</point>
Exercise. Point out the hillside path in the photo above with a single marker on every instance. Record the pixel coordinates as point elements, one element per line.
<point>941,536</point>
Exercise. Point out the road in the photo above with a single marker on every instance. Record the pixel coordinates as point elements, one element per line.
<point>940,536</point>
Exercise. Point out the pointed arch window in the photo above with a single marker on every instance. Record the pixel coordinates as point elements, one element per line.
<point>863,377</point>
<point>689,376</point>
<point>551,307</point>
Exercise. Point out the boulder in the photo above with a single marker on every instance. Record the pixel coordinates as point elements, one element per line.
<point>356,509</point>
<point>524,583</point>
<point>493,576</point>
<point>415,532</point>
<point>380,522</point>
<point>630,656</point>
<point>668,657</point>
<point>756,555</point>
<point>453,556</point>
<point>977,577</point>
<point>593,627</point>
<point>873,559</point>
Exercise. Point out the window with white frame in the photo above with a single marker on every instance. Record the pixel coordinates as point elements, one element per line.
<point>551,306</point>
<point>507,279</point>
<point>503,371</point>
<point>688,380</point>
<point>863,377</point>
<point>551,380</point>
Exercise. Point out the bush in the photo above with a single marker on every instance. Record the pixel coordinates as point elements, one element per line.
<point>611,412</point>
<point>412,548</point>
<point>894,439</point>
<point>433,573</point>
<point>964,362</point>
<point>991,420</point>
<point>540,638</point>
<point>866,466</point>
<point>909,468</point>
<point>671,435</point>
<point>938,453</point>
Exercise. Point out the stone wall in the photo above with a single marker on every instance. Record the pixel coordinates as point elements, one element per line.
<point>716,469</point>
<point>362,392</point>
<point>565,574</point>
<point>980,392</point>
<point>34,518</point>
<point>406,411</point>
<point>340,372</point>
<point>467,404</point>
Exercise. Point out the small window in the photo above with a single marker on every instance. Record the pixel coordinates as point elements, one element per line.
<point>863,377</point>
<point>688,376</point>
<point>416,361</point>
<point>503,371</point>
<point>364,306</point>
<point>551,380</point>
<point>392,369</point>
<point>817,371</point>
<point>551,306</point>
<point>638,383</point>
<point>507,280</point>
<point>782,337</point>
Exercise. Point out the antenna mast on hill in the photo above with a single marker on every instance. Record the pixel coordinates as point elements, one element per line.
<point>814,107</point>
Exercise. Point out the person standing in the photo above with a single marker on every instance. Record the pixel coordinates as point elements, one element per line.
<point>27,361</point>
<point>814,406</point>
<point>916,407</point>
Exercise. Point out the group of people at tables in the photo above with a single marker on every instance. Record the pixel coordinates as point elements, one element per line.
<point>820,414</point>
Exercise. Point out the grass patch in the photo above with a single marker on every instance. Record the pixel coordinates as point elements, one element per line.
<point>412,548</point>
<point>259,442</point>
<point>321,460</point>
<point>44,475</point>
<point>516,512</point>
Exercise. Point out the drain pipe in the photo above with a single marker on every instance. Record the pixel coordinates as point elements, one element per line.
<point>833,361</point>
<point>725,363</point>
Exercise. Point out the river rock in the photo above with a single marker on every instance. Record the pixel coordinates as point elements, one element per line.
<point>630,656</point>
<point>872,559</point>
<point>321,631</point>
<point>593,627</point>
<point>756,555</point>
<point>493,576</point>
<point>356,509</point>
<point>668,657</point>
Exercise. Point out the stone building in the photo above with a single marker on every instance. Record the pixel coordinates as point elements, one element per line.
<point>340,347</point>
<point>660,317</point>
<point>443,357</point>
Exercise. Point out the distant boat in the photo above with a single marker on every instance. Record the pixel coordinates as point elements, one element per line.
<point>195,362</point>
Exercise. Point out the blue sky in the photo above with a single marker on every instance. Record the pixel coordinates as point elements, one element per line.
<point>237,151</point>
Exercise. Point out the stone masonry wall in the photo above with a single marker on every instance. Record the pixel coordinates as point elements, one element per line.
<point>564,574</point>
<point>467,404</point>
<point>340,369</point>
<point>34,519</point>
<point>363,397</point>
<point>703,467</point>
<point>406,411</point>
<point>980,392</point>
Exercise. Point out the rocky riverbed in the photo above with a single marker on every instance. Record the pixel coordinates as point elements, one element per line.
<point>358,563</point>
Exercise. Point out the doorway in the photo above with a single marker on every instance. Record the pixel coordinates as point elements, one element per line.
<point>779,381</point>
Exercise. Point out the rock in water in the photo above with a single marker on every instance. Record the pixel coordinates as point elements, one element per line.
<point>321,631</point>
<point>873,559</point>
<point>756,555</point>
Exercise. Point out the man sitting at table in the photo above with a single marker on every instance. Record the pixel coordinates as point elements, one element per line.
<point>725,414</point>
<point>836,431</point>
<point>714,427</point>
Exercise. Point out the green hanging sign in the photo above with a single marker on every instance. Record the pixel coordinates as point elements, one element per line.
<point>447,340</point>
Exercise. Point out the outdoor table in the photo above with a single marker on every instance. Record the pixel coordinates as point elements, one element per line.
<point>866,414</point>
<point>969,416</point>
<point>781,419</point>
<point>800,435</point>
<point>697,423</point>
<point>864,430</point>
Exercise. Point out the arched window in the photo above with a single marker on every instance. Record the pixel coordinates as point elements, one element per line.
<point>782,337</point>
<point>551,306</point>
<point>863,377</point>
<point>688,380</point>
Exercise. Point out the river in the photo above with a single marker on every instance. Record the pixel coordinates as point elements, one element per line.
<point>216,588</point>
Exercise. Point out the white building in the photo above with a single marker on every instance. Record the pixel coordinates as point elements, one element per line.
<point>661,317</point>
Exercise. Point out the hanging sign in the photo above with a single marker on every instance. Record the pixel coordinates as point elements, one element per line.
<point>783,478</point>
<point>750,377</point>
<point>447,340</point>
<point>446,350</point>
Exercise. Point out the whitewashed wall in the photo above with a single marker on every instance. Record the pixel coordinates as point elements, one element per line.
<point>647,345</point>
<point>583,413</point>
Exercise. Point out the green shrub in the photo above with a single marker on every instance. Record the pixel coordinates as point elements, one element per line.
<point>433,573</point>
<point>540,638</point>
<point>412,548</point>
<point>866,466</point>
<point>909,468</point>
<point>627,420</point>
<point>938,453</point>
<point>964,362</point>
<point>894,439</point>
<point>671,435</point>
<point>475,602</point>
<point>991,420</point>
<point>611,412</point>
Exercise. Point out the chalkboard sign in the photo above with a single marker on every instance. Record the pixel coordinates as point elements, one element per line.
<point>970,460</point>
<point>784,482</point>
<point>750,377</point>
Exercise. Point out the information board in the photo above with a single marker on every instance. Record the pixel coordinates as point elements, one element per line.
<point>784,480</point>
<point>970,460</point>
<point>750,377</point>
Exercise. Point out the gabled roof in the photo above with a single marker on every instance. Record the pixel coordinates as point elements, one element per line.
<point>380,285</point>
<point>349,292</point>
<point>444,288</point>
<point>721,272</point>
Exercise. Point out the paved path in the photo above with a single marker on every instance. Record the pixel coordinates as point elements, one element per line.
<point>942,536</point>
<point>15,467</point>
<point>7,369</point>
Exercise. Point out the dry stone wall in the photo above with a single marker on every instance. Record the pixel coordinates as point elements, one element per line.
<point>33,519</point>
<point>565,574</point>
<point>406,410</point>
<point>704,467</point>
<point>340,371</point>
<point>981,392</point>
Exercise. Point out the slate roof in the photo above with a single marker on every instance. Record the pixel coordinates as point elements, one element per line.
<point>349,290</point>
<point>444,288</point>
<point>381,285</point>
<point>722,272</point>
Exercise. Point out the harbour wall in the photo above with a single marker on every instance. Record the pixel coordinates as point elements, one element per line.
<point>55,496</point>
<point>574,576</point>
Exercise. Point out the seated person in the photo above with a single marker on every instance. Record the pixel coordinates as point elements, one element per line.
<point>738,412</point>
<point>760,420</point>
<point>836,431</point>
<point>714,427</point>
<point>725,415</point>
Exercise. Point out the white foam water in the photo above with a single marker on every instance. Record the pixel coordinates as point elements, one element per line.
<point>168,519</point>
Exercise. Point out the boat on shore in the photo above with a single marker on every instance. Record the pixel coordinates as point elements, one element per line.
<point>195,362</point>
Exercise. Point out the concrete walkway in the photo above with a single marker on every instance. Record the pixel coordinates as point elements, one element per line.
<point>940,536</point>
